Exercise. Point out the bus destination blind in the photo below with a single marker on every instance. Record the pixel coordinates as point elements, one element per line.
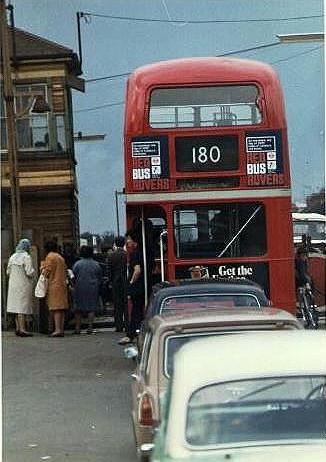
<point>207,153</point>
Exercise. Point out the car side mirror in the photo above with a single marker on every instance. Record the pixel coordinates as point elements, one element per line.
<point>131,352</point>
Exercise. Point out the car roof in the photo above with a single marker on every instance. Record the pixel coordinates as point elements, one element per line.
<point>197,283</point>
<point>237,357</point>
<point>176,320</point>
<point>308,216</point>
<point>256,354</point>
<point>207,286</point>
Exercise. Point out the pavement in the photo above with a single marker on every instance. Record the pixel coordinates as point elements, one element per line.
<point>66,399</point>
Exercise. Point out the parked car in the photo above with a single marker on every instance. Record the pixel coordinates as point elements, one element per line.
<point>167,332</point>
<point>201,294</point>
<point>258,398</point>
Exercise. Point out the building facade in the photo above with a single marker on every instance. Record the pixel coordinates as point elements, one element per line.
<point>42,72</point>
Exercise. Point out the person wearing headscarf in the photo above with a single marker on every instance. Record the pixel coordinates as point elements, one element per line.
<point>55,270</point>
<point>20,287</point>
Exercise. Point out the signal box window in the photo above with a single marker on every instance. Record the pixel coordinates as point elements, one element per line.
<point>32,129</point>
<point>212,106</point>
<point>221,230</point>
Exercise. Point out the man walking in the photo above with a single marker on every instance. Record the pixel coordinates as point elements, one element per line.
<point>117,276</point>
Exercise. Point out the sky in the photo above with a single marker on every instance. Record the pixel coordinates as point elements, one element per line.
<point>118,46</point>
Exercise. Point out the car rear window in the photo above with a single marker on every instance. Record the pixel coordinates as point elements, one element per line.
<point>174,342</point>
<point>263,409</point>
<point>204,301</point>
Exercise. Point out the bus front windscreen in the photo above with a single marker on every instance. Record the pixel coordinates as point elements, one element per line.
<point>220,230</point>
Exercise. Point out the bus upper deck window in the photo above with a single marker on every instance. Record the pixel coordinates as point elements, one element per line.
<point>210,106</point>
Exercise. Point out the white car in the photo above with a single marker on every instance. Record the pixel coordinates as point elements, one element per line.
<point>258,397</point>
<point>166,333</point>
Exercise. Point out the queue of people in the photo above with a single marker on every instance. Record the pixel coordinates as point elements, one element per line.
<point>125,276</point>
<point>86,274</point>
<point>125,272</point>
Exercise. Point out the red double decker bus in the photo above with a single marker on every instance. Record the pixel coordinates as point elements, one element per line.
<point>206,159</point>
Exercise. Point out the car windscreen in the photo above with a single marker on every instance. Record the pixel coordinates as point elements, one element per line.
<point>257,410</point>
<point>208,301</point>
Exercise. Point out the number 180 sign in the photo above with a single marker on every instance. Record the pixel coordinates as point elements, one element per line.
<point>206,153</point>
<point>203,155</point>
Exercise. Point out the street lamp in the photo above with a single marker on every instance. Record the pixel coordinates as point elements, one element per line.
<point>79,136</point>
<point>304,37</point>
<point>117,193</point>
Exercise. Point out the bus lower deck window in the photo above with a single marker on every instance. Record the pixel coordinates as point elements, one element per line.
<point>228,230</point>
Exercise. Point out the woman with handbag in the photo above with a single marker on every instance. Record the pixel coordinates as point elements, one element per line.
<point>55,270</point>
<point>20,287</point>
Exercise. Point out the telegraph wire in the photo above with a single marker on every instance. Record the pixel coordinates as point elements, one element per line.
<point>95,108</point>
<point>297,54</point>
<point>186,21</point>
<point>243,50</point>
<point>116,76</point>
<point>273,44</point>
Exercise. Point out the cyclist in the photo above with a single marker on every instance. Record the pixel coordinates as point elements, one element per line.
<point>304,286</point>
<point>302,276</point>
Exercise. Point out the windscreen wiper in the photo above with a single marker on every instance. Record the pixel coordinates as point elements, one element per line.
<point>240,231</point>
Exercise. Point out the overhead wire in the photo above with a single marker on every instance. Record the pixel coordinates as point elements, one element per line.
<point>297,54</point>
<point>243,50</point>
<point>186,21</point>
<point>95,108</point>
<point>259,47</point>
<point>274,62</point>
<point>125,74</point>
<point>96,79</point>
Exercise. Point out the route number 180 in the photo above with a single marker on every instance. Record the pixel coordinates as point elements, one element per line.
<point>203,155</point>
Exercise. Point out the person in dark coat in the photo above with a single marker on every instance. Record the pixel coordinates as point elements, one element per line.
<point>69,255</point>
<point>302,276</point>
<point>136,289</point>
<point>86,291</point>
<point>117,277</point>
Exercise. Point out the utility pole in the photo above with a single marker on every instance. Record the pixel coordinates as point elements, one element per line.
<point>11,126</point>
<point>117,211</point>
<point>117,194</point>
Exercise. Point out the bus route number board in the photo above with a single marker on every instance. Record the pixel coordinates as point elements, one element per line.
<point>206,153</point>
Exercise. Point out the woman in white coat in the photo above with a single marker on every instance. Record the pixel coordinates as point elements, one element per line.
<point>20,288</point>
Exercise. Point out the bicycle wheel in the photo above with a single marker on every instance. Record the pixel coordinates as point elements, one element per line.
<point>301,307</point>
<point>311,314</point>
<point>312,309</point>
